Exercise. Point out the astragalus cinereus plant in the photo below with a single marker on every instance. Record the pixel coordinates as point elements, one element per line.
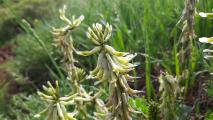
<point>78,96</point>
<point>169,89</point>
<point>188,35</point>
<point>185,68</point>
<point>63,41</point>
<point>112,69</point>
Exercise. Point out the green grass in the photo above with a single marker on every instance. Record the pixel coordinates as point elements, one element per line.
<point>9,28</point>
<point>142,26</point>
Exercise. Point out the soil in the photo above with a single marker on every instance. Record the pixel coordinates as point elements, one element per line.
<point>6,54</point>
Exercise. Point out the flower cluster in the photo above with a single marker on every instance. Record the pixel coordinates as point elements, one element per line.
<point>56,109</point>
<point>109,60</point>
<point>112,68</point>
<point>62,37</point>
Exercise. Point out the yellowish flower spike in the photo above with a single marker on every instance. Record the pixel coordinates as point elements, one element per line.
<point>56,105</point>
<point>63,41</point>
<point>99,35</point>
<point>71,23</point>
<point>112,68</point>
<point>62,36</point>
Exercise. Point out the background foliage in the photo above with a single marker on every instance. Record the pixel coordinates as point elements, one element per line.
<point>147,27</point>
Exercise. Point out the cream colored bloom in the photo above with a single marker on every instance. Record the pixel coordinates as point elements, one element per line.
<point>56,105</point>
<point>206,15</point>
<point>206,40</point>
<point>61,35</point>
<point>73,23</point>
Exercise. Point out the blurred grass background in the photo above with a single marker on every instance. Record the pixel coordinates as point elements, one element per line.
<point>147,27</point>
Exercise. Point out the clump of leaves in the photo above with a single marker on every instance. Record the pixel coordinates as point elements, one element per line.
<point>28,105</point>
<point>142,105</point>
<point>209,115</point>
<point>154,111</point>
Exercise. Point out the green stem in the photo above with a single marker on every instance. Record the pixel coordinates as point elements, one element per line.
<point>147,67</point>
<point>32,32</point>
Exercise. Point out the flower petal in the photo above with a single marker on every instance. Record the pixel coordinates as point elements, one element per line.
<point>206,40</point>
<point>112,51</point>
<point>88,53</point>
